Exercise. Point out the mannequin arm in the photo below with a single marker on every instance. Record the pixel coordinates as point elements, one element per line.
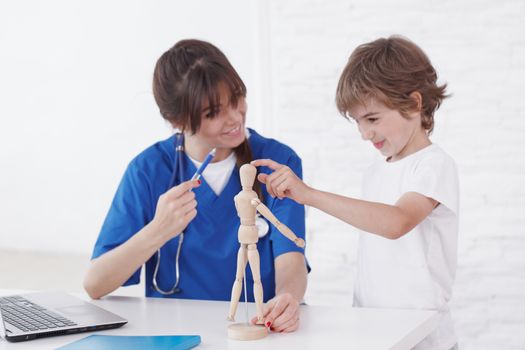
<point>285,230</point>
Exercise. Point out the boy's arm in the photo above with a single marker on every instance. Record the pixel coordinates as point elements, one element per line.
<point>389,221</point>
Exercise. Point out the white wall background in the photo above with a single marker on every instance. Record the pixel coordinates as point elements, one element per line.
<point>76,105</point>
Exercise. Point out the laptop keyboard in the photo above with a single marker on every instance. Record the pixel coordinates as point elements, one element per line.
<point>28,316</point>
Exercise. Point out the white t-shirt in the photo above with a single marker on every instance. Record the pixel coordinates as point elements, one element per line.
<point>417,270</point>
<point>217,174</point>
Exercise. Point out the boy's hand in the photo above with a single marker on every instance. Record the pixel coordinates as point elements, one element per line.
<point>282,182</point>
<point>281,314</point>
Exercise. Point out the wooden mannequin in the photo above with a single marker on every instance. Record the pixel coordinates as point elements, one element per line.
<point>248,204</point>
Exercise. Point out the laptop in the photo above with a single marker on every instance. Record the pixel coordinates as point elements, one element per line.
<point>46,314</point>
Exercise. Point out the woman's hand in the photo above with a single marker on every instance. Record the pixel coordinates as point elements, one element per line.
<point>175,209</point>
<point>283,182</point>
<point>281,314</point>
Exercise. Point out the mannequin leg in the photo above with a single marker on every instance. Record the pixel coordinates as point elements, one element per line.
<point>253,258</point>
<point>237,285</point>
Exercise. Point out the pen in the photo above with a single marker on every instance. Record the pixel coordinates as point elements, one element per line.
<point>204,164</point>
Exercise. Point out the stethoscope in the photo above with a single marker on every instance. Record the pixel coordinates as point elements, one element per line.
<point>176,178</point>
<point>177,170</point>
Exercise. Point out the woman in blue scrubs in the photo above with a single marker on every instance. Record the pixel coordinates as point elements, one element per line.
<point>199,93</point>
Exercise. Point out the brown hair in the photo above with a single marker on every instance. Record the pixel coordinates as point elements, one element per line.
<point>190,73</point>
<point>389,70</point>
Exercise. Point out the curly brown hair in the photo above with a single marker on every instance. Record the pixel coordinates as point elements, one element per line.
<point>390,70</point>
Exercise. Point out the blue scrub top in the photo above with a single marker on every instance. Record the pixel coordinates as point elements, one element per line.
<point>208,259</point>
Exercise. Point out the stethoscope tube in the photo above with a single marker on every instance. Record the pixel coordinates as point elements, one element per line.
<point>179,151</point>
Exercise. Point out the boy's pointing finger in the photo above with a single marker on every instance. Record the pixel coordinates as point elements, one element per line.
<point>267,162</point>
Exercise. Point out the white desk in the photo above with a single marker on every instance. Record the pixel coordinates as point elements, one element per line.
<point>321,327</point>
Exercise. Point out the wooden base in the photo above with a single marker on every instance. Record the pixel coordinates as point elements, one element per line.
<point>243,331</point>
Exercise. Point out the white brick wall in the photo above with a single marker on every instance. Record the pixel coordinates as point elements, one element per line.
<point>478,48</point>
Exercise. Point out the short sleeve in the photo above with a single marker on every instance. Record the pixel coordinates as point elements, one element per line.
<point>436,177</point>
<point>130,211</point>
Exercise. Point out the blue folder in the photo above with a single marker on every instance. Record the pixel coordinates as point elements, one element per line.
<point>107,342</point>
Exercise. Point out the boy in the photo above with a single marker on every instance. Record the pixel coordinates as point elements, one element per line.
<point>409,213</point>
